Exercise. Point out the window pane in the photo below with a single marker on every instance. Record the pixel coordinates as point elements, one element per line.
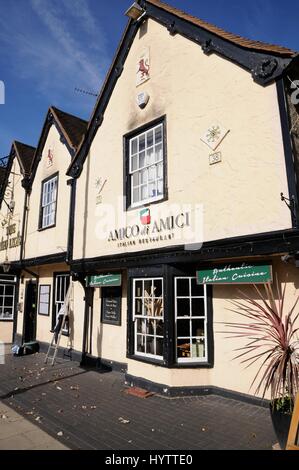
<point>134,163</point>
<point>138,289</point>
<point>150,138</point>
<point>183,287</point>
<point>134,146</point>
<point>148,288</point>
<point>148,306</point>
<point>152,192</point>
<point>198,348</point>
<point>152,173</point>
<point>183,307</point>
<point>150,345</point>
<point>136,195</point>
<point>160,188</point>
<point>144,192</point>
<point>144,176</point>
<point>158,134</point>
<point>140,344</point>
<point>183,349</point>
<point>159,153</point>
<point>197,289</point>
<point>160,328</point>
<point>159,346</point>
<point>158,288</point>
<point>142,161</point>
<point>8,301</point>
<point>158,307</point>
<point>150,327</point>
<point>136,179</point>
<point>141,326</point>
<point>150,156</point>
<point>138,307</point>
<point>198,328</point>
<point>183,328</point>
<point>9,290</point>
<point>198,307</point>
<point>141,143</point>
<point>160,170</point>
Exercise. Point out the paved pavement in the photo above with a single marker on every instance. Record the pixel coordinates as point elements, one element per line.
<point>17,432</point>
<point>86,409</point>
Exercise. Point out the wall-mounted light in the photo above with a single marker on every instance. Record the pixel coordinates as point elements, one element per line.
<point>135,12</point>
<point>6,266</point>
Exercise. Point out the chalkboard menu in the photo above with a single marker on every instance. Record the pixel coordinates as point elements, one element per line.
<point>111,305</point>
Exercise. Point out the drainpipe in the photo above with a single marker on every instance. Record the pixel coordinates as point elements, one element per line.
<point>25,185</point>
<point>71,228</point>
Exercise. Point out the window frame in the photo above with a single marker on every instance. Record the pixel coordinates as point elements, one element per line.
<point>129,205</point>
<point>146,317</point>
<point>13,307</point>
<point>191,360</point>
<point>168,273</point>
<point>49,299</point>
<point>45,181</point>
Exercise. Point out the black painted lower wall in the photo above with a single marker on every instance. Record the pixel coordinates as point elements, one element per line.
<point>172,392</point>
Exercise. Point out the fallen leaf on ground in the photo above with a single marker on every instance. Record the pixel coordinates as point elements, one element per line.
<point>123,421</point>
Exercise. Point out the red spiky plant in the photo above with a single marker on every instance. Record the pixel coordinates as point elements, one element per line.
<point>272,339</point>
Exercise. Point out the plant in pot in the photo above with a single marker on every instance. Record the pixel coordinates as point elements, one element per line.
<point>272,345</point>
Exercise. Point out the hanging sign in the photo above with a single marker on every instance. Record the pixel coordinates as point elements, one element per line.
<point>104,280</point>
<point>236,274</point>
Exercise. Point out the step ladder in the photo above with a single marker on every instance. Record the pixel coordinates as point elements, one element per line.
<point>66,313</point>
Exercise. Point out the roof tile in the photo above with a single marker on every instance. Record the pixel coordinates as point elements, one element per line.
<point>239,40</point>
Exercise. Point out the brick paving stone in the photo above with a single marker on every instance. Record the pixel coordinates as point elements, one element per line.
<point>155,423</point>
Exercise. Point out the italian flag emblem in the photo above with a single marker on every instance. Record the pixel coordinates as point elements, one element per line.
<point>145,217</point>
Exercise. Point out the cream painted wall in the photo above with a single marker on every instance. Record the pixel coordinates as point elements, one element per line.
<point>194,91</point>
<point>17,194</point>
<point>110,341</point>
<point>6,330</point>
<point>52,240</point>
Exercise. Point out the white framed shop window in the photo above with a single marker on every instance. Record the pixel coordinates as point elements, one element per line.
<point>148,317</point>
<point>191,321</point>
<point>7,302</point>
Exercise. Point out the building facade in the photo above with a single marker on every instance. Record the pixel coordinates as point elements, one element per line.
<point>175,194</point>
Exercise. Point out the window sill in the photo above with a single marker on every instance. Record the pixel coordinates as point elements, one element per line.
<point>147,204</point>
<point>156,362</point>
<point>42,229</point>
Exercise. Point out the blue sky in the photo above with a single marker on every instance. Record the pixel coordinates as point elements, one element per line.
<point>50,47</point>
